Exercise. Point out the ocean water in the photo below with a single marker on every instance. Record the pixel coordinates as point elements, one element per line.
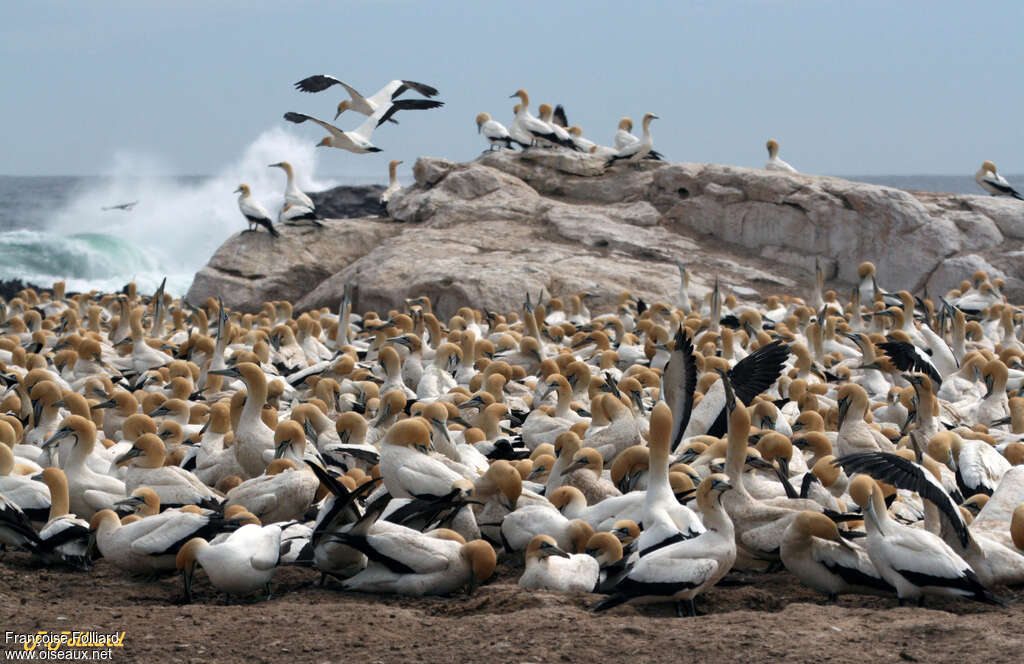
<point>54,228</point>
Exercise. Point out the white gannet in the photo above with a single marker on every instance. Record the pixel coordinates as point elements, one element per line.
<point>393,186</point>
<point>623,137</point>
<point>356,140</point>
<point>991,181</point>
<point>813,550</point>
<point>292,194</point>
<point>529,124</point>
<point>252,436</point>
<point>408,562</point>
<point>89,491</point>
<point>64,538</point>
<point>253,212</point>
<point>641,148</point>
<point>383,97</point>
<point>774,163</point>
<point>548,567</point>
<point>244,562</point>
<point>496,134</point>
<point>174,485</point>
<point>914,561</point>
<point>683,570</point>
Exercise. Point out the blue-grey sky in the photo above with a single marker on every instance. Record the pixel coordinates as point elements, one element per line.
<point>846,87</point>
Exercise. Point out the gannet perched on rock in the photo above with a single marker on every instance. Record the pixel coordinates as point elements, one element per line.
<point>297,205</point>
<point>495,132</point>
<point>529,124</point>
<point>383,97</point>
<point>641,148</point>
<point>991,181</point>
<point>393,186</point>
<point>774,163</point>
<point>253,211</point>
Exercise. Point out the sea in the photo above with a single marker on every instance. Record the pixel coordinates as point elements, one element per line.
<point>66,227</point>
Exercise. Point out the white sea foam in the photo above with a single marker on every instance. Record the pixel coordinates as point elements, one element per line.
<point>175,228</point>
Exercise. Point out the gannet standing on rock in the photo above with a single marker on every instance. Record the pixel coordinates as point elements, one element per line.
<point>496,134</point>
<point>297,205</point>
<point>623,135</point>
<point>636,151</point>
<point>536,129</point>
<point>393,186</point>
<point>383,97</point>
<point>991,181</point>
<point>774,163</point>
<point>253,211</point>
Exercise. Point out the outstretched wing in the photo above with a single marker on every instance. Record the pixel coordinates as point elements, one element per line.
<point>322,82</point>
<point>299,118</point>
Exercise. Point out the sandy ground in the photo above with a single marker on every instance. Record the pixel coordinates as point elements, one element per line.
<point>756,617</point>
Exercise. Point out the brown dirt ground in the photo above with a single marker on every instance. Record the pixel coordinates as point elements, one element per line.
<point>756,617</point>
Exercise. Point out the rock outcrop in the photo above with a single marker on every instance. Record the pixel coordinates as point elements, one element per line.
<point>489,231</point>
<point>348,202</point>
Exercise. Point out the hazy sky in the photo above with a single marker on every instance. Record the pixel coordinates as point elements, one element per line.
<point>846,87</point>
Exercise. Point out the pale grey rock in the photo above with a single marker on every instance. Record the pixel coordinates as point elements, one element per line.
<point>489,231</point>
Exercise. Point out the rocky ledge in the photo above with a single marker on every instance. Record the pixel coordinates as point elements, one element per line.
<point>508,223</point>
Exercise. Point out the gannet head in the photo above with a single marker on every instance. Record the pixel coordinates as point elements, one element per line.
<point>542,546</point>
<point>816,524</point>
<point>626,124</point>
<point>605,547</point>
<point>988,167</point>
<point>283,165</point>
<point>861,489</point>
<point>773,147</point>
<point>325,142</point>
<point>544,110</point>
<point>648,117</point>
<point>482,560</point>
<point>242,189</point>
<point>517,108</point>
<point>576,131</point>
<point>523,97</point>
<point>865,269</point>
<point>480,120</point>
<point>393,164</point>
<point>342,107</point>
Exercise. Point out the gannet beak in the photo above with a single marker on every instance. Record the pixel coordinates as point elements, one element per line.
<point>277,165</point>
<point>128,456</point>
<point>109,403</point>
<point>236,191</point>
<point>59,435</point>
<point>280,449</point>
<point>165,435</point>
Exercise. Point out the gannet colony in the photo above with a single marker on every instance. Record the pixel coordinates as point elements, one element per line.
<point>868,444</point>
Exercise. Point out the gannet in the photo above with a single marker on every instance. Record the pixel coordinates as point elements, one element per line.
<point>253,212</point>
<point>623,137</point>
<point>914,561</point>
<point>89,491</point>
<point>774,163</point>
<point>174,485</point>
<point>356,140</point>
<point>252,435</point>
<point>407,466</point>
<point>683,570</point>
<point>496,134</point>
<point>15,526</point>
<point>814,550</point>
<point>407,562</point>
<point>64,538</point>
<point>294,198</point>
<point>29,496</point>
<point>639,149</point>
<point>564,138</point>
<point>383,97</point>
<point>548,567</point>
<point>989,179</point>
<point>393,186</point>
<point>244,562</point>
<point>530,125</point>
